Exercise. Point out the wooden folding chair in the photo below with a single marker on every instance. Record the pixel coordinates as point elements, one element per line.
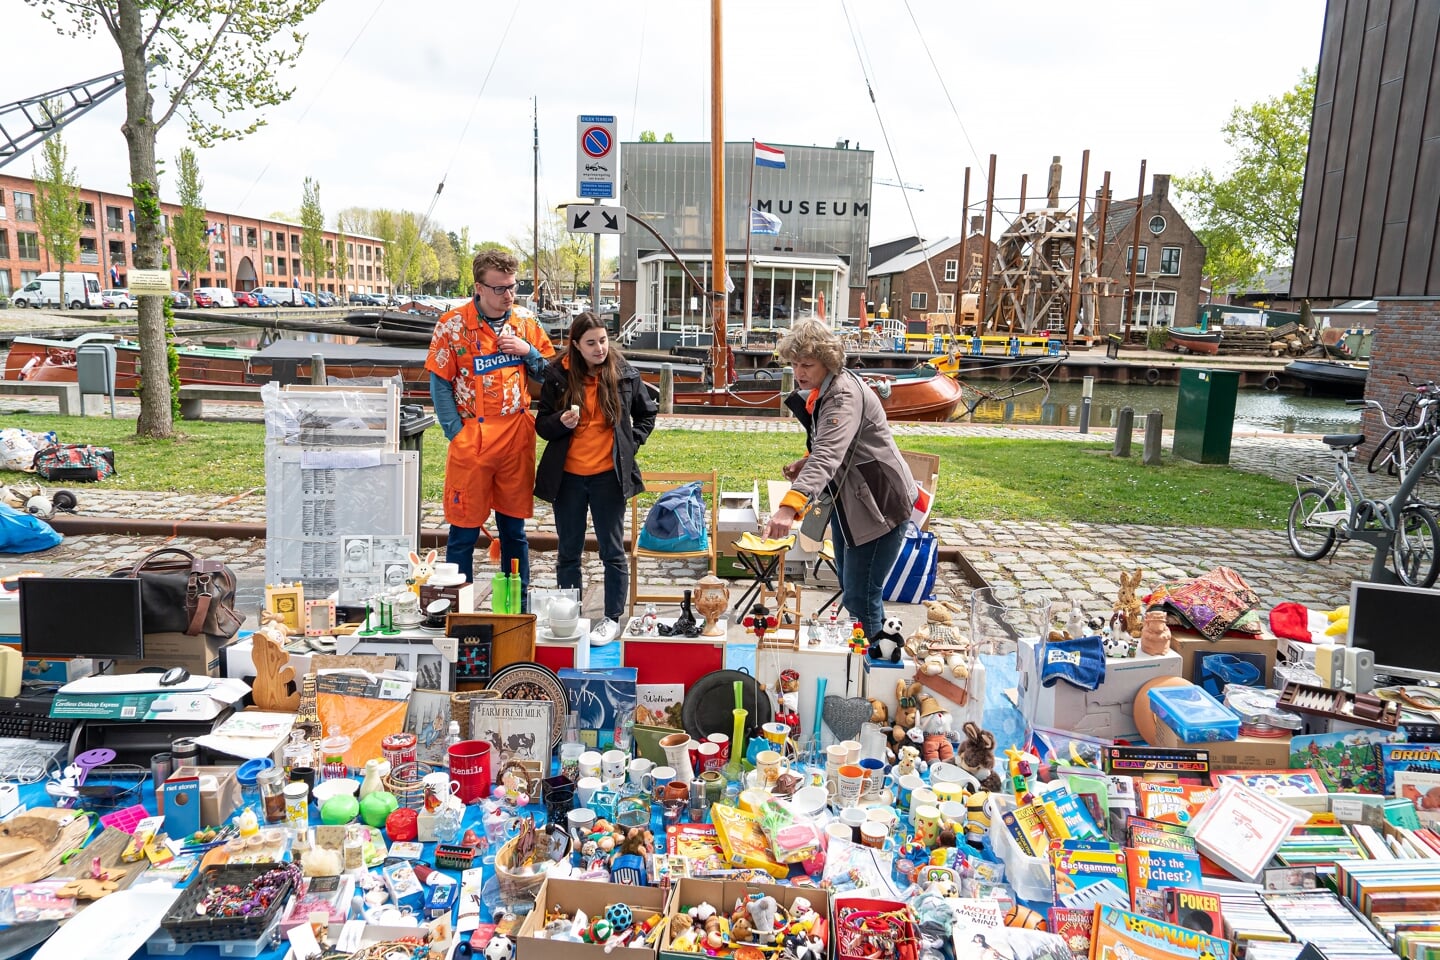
<point>660,482</point>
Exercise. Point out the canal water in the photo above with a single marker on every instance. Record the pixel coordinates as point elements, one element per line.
<point>1273,411</point>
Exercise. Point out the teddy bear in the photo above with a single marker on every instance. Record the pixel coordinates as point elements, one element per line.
<point>907,711</point>
<point>887,644</point>
<point>879,712</point>
<point>977,756</point>
<point>934,732</point>
<point>1128,605</point>
<point>908,761</point>
<point>937,630</point>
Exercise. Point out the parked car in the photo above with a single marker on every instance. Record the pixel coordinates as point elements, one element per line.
<point>202,299</point>
<point>325,298</point>
<point>117,299</point>
<point>179,299</point>
<point>261,298</point>
<point>308,297</point>
<point>244,298</point>
<point>358,299</point>
<point>219,296</point>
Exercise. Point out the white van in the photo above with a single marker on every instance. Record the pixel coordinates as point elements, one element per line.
<point>284,296</point>
<point>81,290</point>
<point>219,296</point>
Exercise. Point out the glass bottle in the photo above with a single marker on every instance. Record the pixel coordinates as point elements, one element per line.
<point>298,752</point>
<point>272,794</point>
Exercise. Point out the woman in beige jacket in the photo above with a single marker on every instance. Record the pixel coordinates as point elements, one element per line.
<point>845,426</point>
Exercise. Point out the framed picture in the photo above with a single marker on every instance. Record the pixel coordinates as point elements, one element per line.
<point>432,672</point>
<point>488,642</point>
<point>429,719</point>
<point>517,730</point>
<point>287,601</point>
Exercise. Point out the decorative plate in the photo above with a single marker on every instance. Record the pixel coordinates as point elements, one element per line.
<point>533,681</point>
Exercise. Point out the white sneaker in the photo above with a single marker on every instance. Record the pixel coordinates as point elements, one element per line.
<point>605,632</point>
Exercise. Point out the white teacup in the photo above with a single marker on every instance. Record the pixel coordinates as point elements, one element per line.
<point>440,784</point>
<point>590,763</point>
<point>586,789</point>
<point>612,766</point>
<point>639,768</point>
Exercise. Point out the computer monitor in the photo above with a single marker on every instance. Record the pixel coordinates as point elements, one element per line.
<point>1394,622</point>
<point>96,617</point>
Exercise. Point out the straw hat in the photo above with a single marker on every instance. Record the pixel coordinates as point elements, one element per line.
<point>929,706</point>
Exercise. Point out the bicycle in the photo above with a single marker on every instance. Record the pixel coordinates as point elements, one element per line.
<point>1398,450</point>
<point>1316,526</point>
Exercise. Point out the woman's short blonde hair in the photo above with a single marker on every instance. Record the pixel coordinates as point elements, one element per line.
<point>812,339</point>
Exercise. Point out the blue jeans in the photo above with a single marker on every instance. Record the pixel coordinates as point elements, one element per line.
<point>601,493</point>
<point>863,570</point>
<point>460,550</point>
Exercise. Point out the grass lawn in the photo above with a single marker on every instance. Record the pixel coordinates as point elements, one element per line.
<point>980,478</point>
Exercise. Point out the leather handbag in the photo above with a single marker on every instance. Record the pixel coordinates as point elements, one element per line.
<point>182,593</point>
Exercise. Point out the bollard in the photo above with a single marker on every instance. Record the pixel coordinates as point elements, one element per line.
<point>1124,427</point>
<point>1087,393</point>
<point>1154,424</point>
<point>667,388</point>
<point>317,370</point>
<point>787,381</point>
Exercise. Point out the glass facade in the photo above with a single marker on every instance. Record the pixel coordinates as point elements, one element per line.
<point>822,199</point>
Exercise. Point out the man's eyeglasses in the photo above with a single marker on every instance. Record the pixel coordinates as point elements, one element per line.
<point>498,290</point>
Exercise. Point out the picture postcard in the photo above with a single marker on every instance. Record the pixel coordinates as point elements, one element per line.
<point>517,730</point>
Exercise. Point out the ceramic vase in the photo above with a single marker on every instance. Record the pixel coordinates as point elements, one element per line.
<point>677,755</point>
<point>712,596</point>
<point>1155,635</point>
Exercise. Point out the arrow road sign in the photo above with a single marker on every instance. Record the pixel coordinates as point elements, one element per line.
<point>593,218</point>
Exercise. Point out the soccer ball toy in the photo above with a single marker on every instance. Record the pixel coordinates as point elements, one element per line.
<point>500,947</point>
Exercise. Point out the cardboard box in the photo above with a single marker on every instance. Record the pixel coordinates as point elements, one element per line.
<point>462,597</point>
<point>200,655</point>
<point>1242,753</point>
<point>1194,649</point>
<point>925,468</point>
<point>571,895</point>
<point>722,895</point>
<point>219,792</point>
<point>740,510</point>
<point>727,558</point>
<point>1107,711</point>
<point>602,697</point>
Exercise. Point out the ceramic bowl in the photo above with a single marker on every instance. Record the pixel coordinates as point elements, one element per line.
<point>808,801</point>
<point>342,787</point>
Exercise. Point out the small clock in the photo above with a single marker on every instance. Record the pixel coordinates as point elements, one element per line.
<point>1157,224</point>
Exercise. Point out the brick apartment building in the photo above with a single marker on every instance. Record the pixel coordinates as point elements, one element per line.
<point>245,252</point>
<point>904,273</point>
<point>1168,273</point>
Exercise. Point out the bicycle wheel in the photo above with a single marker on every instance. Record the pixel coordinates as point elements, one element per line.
<point>1416,550</point>
<point>1310,540</point>
<point>1384,455</point>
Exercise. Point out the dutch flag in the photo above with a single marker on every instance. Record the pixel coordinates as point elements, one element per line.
<point>768,156</point>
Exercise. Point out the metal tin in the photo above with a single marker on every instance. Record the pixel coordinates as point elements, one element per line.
<point>399,748</point>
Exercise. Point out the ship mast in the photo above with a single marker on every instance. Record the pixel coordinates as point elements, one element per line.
<point>720,368</point>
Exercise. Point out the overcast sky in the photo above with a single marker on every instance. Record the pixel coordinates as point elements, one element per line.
<point>380,123</point>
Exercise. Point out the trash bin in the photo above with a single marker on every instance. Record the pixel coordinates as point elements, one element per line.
<point>414,421</point>
<point>1205,415</point>
<point>95,372</point>
<point>1112,345</point>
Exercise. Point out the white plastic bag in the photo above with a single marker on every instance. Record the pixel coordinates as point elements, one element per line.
<point>18,448</point>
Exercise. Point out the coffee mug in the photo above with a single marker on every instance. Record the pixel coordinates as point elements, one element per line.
<point>873,834</point>
<point>770,764</point>
<point>835,830</point>
<point>852,750</point>
<point>906,786</point>
<point>853,817</point>
<point>639,768</point>
<point>721,740</point>
<point>657,780</point>
<point>585,790</point>
<point>470,766</point>
<point>874,773</point>
<point>580,821</point>
<point>436,789</point>
<point>927,825</point>
<point>612,766</point>
<point>590,763</point>
<point>709,757</point>
<point>922,797</point>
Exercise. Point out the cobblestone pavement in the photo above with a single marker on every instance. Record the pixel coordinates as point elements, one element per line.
<point>1073,561</point>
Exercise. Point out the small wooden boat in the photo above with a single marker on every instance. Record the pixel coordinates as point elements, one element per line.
<point>1330,378</point>
<point>919,394</point>
<point>37,358</point>
<point>1194,339</point>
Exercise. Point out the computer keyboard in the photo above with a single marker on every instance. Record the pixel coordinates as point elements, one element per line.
<point>28,718</point>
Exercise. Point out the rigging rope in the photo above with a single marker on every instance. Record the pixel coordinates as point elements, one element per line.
<point>890,149</point>
<point>979,167</point>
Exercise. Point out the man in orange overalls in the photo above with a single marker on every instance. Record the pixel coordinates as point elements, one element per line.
<point>482,357</point>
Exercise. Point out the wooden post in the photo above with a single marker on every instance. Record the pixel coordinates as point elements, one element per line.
<point>787,381</point>
<point>1124,427</point>
<point>1154,425</point>
<point>719,299</point>
<point>667,388</point>
<point>1079,252</point>
<point>317,369</point>
<point>985,263</point>
<point>1134,258</point>
<point>964,243</point>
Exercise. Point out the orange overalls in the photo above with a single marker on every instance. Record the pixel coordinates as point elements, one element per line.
<point>491,463</point>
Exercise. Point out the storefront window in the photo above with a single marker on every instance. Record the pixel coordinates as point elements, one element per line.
<point>825,286</point>
<point>805,304</point>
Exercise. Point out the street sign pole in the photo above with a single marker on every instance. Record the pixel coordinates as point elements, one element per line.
<point>595,271</point>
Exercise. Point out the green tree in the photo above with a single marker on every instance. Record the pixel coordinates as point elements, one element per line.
<point>1252,212</point>
<point>1229,262</point>
<point>313,258</point>
<point>342,256</point>
<point>446,263</point>
<point>218,58</point>
<point>648,136</point>
<point>57,205</point>
<point>187,228</point>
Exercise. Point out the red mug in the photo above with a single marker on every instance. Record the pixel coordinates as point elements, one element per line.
<point>470,768</point>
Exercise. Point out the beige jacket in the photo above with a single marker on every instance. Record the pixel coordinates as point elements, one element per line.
<point>878,491</point>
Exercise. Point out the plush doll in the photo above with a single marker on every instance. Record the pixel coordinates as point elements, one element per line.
<point>907,713</point>
<point>935,725</point>
<point>886,644</point>
<point>977,756</point>
<point>421,570</point>
<point>937,630</point>
<point>879,712</point>
<point>763,910</point>
<point>1128,605</point>
<point>909,761</point>
<point>787,696</point>
<point>933,665</point>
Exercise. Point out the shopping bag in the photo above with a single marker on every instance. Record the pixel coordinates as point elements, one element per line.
<point>912,578</point>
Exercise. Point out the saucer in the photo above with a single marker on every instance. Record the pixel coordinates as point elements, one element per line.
<point>543,633</point>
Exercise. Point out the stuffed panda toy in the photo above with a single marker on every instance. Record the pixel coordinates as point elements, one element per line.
<point>887,644</point>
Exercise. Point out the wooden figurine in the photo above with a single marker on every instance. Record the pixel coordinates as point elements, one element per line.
<point>273,676</point>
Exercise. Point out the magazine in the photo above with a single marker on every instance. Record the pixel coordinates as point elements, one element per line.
<point>1122,935</point>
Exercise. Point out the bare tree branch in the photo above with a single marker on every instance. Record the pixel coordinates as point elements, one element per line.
<point>201,62</point>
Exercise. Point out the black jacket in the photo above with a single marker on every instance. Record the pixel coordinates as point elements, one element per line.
<point>637,416</point>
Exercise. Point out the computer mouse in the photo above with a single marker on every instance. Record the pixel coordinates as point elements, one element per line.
<point>173,676</point>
